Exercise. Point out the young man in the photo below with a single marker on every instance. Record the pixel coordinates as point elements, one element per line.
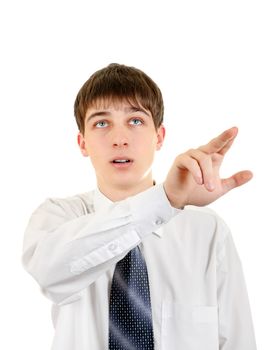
<point>130,265</point>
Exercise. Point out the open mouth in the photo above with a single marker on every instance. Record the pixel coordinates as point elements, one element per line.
<point>121,161</point>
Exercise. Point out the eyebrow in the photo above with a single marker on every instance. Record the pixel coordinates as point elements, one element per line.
<point>105,113</point>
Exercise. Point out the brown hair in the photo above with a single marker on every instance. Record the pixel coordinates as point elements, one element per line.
<point>118,82</point>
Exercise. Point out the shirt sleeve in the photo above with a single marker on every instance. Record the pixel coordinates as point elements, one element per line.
<point>66,252</point>
<point>235,322</point>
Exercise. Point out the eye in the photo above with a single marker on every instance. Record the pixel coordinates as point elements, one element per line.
<point>136,121</point>
<point>101,124</point>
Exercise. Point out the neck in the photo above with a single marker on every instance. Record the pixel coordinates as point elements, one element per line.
<point>119,193</point>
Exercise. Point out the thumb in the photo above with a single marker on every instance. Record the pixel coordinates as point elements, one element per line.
<point>236,180</point>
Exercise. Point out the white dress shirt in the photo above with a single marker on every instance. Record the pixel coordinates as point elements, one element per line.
<point>198,294</point>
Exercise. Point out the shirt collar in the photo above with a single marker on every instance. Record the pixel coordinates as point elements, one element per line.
<point>102,202</point>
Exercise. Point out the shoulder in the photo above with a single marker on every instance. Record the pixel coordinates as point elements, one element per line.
<point>74,206</point>
<point>56,211</point>
<point>204,221</point>
<point>204,214</point>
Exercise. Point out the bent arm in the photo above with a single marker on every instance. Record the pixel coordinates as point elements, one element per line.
<point>65,252</point>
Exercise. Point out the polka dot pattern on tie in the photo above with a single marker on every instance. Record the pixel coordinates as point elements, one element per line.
<point>130,316</point>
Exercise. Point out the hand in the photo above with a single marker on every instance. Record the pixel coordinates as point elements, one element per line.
<point>194,176</point>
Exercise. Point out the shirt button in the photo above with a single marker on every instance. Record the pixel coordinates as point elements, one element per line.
<point>112,246</point>
<point>159,221</point>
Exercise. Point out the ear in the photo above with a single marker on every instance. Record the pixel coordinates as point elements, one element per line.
<point>161,132</point>
<point>82,144</point>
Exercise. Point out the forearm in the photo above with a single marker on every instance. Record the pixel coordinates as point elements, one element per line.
<point>68,255</point>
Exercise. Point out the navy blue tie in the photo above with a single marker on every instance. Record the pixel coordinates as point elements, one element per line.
<point>130,315</point>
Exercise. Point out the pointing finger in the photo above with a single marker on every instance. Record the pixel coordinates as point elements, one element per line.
<point>221,143</point>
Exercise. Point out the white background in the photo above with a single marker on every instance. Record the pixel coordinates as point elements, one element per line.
<point>210,60</point>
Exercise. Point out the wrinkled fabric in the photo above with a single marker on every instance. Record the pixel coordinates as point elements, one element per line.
<point>198,294</point>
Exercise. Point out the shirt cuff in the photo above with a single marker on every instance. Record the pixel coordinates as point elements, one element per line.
<point>151,209</point>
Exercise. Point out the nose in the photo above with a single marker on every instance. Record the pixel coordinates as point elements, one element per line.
<point>120,138</point>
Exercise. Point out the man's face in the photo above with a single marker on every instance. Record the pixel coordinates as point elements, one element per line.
<point>121,142</point>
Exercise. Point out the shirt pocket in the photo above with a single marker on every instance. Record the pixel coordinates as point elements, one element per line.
<point>189,327</point>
